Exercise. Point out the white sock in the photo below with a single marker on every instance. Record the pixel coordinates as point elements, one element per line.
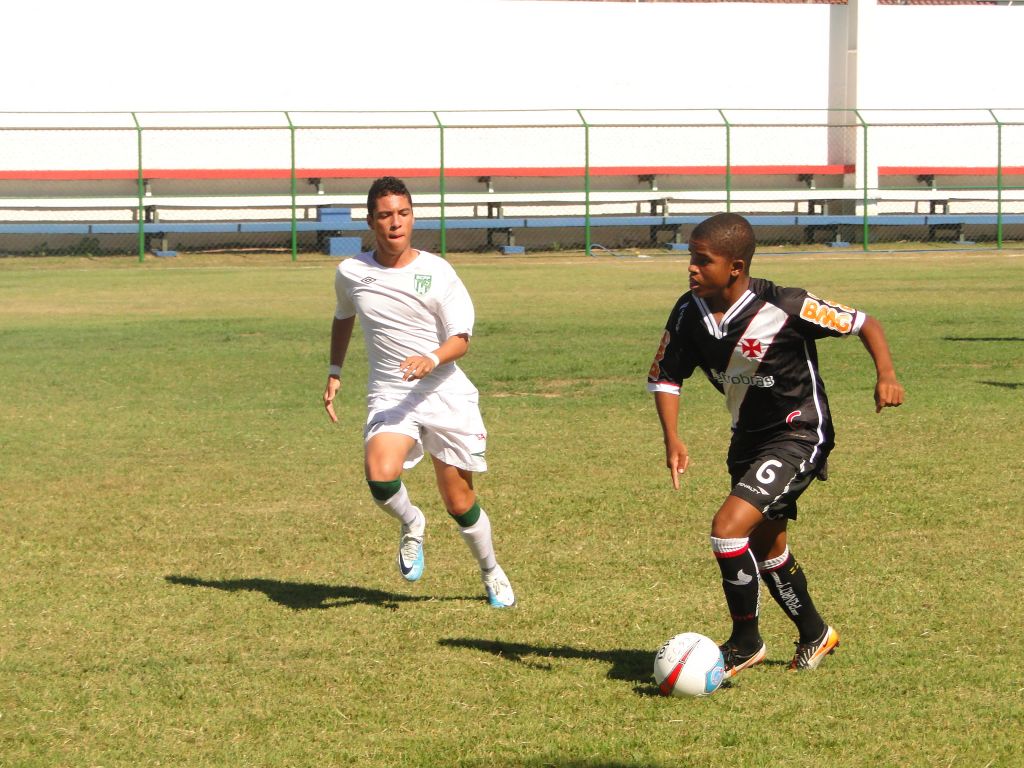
<point>478,539</point>
<point>401,508</point>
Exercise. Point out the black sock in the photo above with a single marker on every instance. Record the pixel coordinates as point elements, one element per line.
<point>787,583</point>
<point>742,591</point>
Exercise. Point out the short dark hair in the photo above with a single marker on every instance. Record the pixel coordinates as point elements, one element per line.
<point>728,234</point>
<point>382,187</point>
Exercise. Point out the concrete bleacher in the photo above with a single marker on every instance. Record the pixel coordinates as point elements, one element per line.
<point>502,202</point>
<point>338,228</point>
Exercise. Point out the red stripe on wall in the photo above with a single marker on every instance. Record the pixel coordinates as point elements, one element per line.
<point>415,173</point>
<point>96,175</point>
<point>947,170</point>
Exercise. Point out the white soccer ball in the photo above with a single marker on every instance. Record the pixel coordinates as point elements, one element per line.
<point>689,664</point>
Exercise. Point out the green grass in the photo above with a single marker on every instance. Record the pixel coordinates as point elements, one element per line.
<point>193,573</point>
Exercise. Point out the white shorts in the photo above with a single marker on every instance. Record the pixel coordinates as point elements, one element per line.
<point>447,426</point>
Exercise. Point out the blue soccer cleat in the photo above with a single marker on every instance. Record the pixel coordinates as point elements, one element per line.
<point>410,553</point>
<point>499,589</point>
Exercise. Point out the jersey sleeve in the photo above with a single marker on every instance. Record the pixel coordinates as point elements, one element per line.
<point>672,362</point>
<point>456,308</point>
<point>818,318</point>
<point>345,308</point>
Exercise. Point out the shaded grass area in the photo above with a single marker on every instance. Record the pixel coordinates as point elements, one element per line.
<point>194,573</point>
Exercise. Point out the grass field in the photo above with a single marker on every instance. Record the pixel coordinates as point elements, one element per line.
<point>193,573</point>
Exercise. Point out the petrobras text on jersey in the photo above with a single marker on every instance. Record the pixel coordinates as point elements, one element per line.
<point>742,378</point>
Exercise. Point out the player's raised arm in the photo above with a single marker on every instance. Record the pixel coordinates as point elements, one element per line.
<point>341,334</point>
<point>677,458</point>
<point>888,391</point>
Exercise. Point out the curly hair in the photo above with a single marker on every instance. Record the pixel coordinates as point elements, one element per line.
<point>728,234</point>
<point>384,186</point>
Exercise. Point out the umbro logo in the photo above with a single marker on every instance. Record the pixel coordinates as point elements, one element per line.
<point>368,280</point>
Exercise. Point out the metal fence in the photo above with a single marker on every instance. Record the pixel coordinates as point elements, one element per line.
<point>556,179</point>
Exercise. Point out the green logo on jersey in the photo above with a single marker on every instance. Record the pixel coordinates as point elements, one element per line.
<point>423,284</point>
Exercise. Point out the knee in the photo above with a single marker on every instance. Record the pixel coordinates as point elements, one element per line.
<point>459,502</point>
<point>768,541</point>
<point>730,523</point>
<point>383,469</point>
<point>456,489</point>
<point>722,527</point>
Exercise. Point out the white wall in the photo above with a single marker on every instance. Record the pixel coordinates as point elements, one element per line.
<point>945,57</point>
<point>159,55</point>
<point>425,54</point>
<point>153,55</point>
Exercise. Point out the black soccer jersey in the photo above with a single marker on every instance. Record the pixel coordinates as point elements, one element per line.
<point>761,356</point>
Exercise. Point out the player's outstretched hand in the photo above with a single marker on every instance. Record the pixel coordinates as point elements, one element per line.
<point>333,385</point>
<point>677,459</point>
<point>888,394</point>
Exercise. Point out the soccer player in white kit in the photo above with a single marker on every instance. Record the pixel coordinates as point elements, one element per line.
<point>417,319</point>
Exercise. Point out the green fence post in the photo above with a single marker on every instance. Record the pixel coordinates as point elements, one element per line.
<point>141,211</point>
<point>295,228</point>
<point>728,161</point>
<point>586,184</point>
<point>999,180</point>
<point>864,160</point>
<point>441,183</point>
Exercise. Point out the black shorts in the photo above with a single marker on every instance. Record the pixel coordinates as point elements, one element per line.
<point>772,474</point>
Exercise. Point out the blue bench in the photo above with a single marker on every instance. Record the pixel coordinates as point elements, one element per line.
<point>934,223</point>
<point>335,226</point>
<point>42,228</point>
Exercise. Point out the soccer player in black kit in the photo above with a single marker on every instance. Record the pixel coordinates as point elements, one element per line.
<point>755,342</point>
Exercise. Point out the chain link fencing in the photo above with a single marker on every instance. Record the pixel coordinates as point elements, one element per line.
<point>599,181</point>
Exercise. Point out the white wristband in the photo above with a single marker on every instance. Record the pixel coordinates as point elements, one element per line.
<point>334,370</point>
<point>433,357</point>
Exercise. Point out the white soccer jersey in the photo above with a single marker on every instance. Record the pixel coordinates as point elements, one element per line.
<point>405,311</point>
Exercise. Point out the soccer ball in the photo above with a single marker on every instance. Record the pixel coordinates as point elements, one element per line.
<point>689,664</point>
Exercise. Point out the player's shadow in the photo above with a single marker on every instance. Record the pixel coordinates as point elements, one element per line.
<point>1001,384</point>
<point>983,338</point>
<point>303,597</point>
<point>630,665</point>
<point>547,761</point>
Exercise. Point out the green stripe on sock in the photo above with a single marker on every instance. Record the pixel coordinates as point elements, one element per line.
<point>382,491</point>
<point>469,517</point>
